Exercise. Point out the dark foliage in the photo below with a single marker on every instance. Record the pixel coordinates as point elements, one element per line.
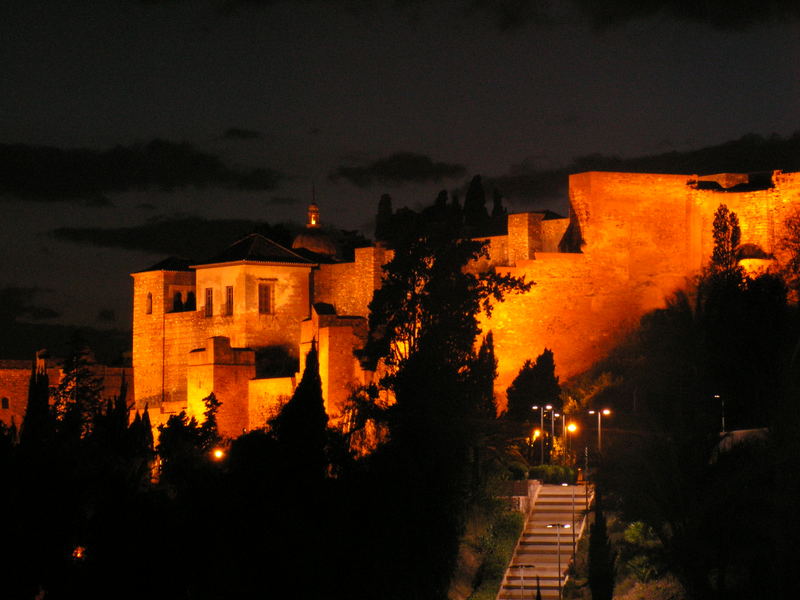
<point>601,556</point>
<point>475,214</point>
<point>300,429</point>
<point>536,384</point>
<point>383,218</point>
<point>710,497</point>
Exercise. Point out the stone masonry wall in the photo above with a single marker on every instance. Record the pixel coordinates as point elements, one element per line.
<point>15,377</point>
<point>225,371</point>
<point>645,237</point>
<point>349,286</point>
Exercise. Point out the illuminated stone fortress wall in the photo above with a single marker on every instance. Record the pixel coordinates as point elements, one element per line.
<point>630,240</point>
<point>640,238</point>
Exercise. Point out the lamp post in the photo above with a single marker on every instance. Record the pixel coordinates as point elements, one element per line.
<point>722,400</point>
<point>541,410</point>
<point>600,414</point>
<point>559,527</point>
<point>573,518</point>
<point>570,430</point>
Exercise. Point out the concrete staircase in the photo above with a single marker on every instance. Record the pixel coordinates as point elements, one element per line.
<point>537,551</point>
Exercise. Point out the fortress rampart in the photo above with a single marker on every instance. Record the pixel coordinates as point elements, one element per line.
<point>629,241</point>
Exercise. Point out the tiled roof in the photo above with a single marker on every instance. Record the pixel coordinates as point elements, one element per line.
<point>173,263</point>
<point>257,248</point>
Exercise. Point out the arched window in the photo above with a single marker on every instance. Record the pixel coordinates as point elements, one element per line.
<point>177,302</point>
<point>149,307</point>
<point>4,403</point>
<point>191,303</point>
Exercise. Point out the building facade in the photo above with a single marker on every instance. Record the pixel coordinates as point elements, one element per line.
<point>629,242</point>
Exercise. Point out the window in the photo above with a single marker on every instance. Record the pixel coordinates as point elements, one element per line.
<point>149,306</point>
<point>229,300</point>
<point>209,302</point>
<point>177,302</point>
<point>265,298</point>
<point>4,403</point>
<point>191,303</point>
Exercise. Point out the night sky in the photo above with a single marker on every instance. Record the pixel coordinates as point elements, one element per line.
<point>157,115</point>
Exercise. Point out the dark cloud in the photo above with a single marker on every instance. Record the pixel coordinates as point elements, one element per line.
<point>192,237</point>
<point>20,303</point>
<point>399,168</point>
<point>236,133</point>
<point>721,14</point>
<point>510,15</point>
<point>748,154</point>
<point>57,174</point>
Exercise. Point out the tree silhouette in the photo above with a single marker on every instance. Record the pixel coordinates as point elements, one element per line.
<point>535,384</point>
<point>483,373</point>
<point>498,210</point>
<point>184,445</point>
<point>601,556</point>
<point>78,395</point>
<point>475,214</point>
<point>727,236</point>
<point>383,220</point>
<point>38,425</point>
<point>301,427</point>
<point>423,327</point>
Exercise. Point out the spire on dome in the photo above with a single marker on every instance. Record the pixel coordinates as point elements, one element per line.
<point>313,216</point>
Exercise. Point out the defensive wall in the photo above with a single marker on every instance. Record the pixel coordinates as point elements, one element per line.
<point>642,237</point>
<point>629,241</point>
<point>15,377</point>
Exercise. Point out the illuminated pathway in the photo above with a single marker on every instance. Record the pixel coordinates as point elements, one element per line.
<point>537,552</point>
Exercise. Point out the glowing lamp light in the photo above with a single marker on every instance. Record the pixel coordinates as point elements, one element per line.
<point>218,453</point>
<point>537,433</point>
<point>79,553</point>
<point>572,427</point>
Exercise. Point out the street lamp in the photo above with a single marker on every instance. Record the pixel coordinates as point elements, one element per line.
<point>559,527</point>
<point>541,410</point>
<point>600,414</point>
<point>722,400</point>
<point>571,429</point>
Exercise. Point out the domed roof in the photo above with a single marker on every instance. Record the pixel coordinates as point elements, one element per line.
<point>313,238</point>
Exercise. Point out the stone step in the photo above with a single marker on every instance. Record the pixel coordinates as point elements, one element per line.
<point>541,549</point>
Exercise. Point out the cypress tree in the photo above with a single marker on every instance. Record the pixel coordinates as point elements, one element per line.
<point>601,556</point>
<point>484,372</point>
<point>475,214</point>
<point>498,210</point>
<point>301,428</point>
<point>383,220</point>
<point>37,426</point>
